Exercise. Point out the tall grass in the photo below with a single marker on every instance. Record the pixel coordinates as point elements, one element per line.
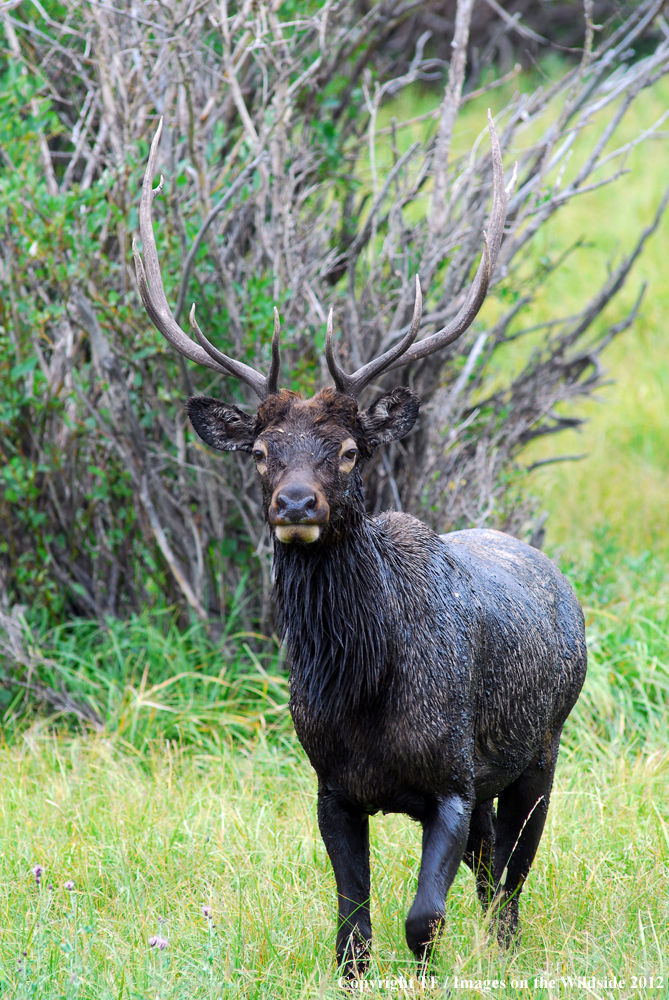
<point>146,679</point>
<point>625,598</point>
<point>150,844</point>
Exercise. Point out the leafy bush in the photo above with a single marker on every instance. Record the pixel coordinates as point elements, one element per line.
<point>282,186</point>
<point>143,680</point>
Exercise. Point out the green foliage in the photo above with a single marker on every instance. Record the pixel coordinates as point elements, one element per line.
<point>49,242</point>
<point>69,520</point>
<point>53,244</point>
<point>146,680</point>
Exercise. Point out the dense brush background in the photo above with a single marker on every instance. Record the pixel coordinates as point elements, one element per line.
<point>147,752</point>
<point>297,173</point>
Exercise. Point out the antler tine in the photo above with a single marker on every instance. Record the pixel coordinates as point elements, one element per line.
<point>352,385</point>
<point>222,361</point>
<point>479,286</point>
<point>275,360</point>
<point>151,289</point>
<point>339,376</point>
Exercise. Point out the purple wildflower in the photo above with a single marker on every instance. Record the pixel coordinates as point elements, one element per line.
<point>206,912</point>
<point>158,942</point>
<point>38,872</point>
<point>69,885</point>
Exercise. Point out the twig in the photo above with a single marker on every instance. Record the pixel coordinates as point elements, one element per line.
<point>515,24</point>
<point>555,458</point>
<point>448,113</point>
<point>216,210</point>
<point>166,550</point>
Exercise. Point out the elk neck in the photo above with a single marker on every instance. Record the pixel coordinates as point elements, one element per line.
<point>334,602</point>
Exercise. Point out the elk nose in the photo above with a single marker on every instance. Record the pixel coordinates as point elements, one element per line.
<point>296,502</point>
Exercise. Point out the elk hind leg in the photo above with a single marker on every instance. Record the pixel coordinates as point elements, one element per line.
<point>521,815</point>
<point>480,851</point>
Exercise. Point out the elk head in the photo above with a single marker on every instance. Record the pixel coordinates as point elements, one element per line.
<point>308,451</point>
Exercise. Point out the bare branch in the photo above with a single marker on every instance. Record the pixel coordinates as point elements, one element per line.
<point>449,112</point>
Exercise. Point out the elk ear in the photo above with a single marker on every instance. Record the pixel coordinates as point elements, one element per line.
<point>390,417</point>
<point>221,425</point>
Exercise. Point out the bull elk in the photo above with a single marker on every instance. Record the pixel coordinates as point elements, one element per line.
<point>429,674</point>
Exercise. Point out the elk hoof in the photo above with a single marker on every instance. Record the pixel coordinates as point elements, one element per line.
<point>508,926</point>
<point>422,930</point>
<point>353,957</point>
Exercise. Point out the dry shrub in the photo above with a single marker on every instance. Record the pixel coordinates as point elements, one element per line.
<point>274,193</point>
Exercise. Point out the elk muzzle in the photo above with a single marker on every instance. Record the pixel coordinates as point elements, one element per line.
<point>298,511</point>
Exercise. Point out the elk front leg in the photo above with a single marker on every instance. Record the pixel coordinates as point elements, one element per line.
<point>445,831</point>
<point>345,832</point>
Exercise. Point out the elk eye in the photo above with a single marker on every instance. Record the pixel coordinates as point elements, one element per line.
<point>350,454</point>
<point>258,455</point>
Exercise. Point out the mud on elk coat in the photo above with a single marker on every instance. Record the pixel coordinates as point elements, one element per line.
<point>430,674</point>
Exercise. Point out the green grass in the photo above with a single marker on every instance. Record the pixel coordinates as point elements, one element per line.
<point>624,482</point>
<point>152,829</point>
<point>148,843</point>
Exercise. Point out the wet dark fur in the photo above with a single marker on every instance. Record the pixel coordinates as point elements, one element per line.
<point>429,674</point>
<point>459,692</point>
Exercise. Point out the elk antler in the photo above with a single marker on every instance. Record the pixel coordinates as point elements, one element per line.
<point>155,302</point>
<point>403,353</point>
<point>353,385</point>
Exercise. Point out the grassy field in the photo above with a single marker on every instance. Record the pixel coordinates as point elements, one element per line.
<point>150,843</point>
<point>190,822</point>
<point>179,850</point>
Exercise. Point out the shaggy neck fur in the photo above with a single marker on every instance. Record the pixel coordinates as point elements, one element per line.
<point>334,604</point>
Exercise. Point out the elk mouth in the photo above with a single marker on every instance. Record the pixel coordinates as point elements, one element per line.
<point>305,533</point>
<point>297,512</point>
